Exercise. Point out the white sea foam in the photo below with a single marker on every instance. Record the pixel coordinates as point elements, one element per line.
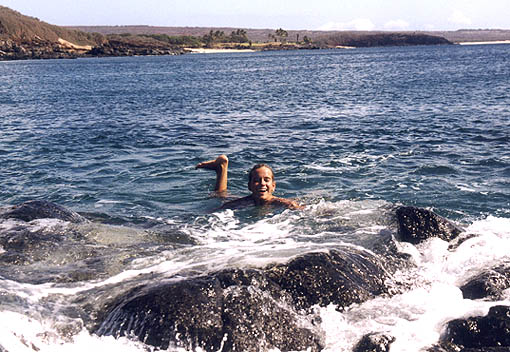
<point>8,224</point>
<point>47,225</point>
<point>102,202</point>
<point>23,334</point>
<point>417,317</point>
<point>466,188</point>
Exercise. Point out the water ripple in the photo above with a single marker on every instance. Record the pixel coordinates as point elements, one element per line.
<point>399,124</point>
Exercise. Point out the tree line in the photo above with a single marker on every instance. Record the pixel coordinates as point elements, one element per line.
<point>238,36</point>
<point>207,40</point>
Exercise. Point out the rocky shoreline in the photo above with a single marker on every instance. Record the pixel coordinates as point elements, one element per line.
<point>34,50</point>
<point>260,309</point>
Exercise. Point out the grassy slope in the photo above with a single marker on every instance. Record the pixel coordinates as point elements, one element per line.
<point>17,27</point>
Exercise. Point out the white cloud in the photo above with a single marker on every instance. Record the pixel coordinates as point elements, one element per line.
<point>457,17</point>
<point>396,24</point>
<point>358,24</point>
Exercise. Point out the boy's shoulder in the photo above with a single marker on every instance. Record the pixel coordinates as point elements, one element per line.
<point>244,201</point>
<point>291,204</point>
<point>248,201</point>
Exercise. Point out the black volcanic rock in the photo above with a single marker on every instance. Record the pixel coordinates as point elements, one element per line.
<point>487,333</point>
<point>132,45</point>
<point>417,224</point>
<point>488,284</point>
<point>217,312</point>
<point>374,342</point>
<point>246,310</point>
<point>28,50</point>
<point>341,277</point>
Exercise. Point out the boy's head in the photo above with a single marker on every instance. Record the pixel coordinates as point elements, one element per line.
<point>261,182</point>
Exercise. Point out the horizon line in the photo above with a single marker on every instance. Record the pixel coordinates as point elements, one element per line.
<point>294,30</point>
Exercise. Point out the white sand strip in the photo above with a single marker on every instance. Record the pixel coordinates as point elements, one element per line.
<point>485,43</point>
<point>70,45</point>
<point>215,51</point>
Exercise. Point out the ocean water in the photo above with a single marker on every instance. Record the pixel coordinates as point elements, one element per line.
<point>349,133</point>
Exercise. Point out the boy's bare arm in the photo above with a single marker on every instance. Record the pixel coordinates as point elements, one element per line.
<point>220,165</point>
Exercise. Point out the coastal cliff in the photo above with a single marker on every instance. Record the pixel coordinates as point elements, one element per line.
<point>23,37</point>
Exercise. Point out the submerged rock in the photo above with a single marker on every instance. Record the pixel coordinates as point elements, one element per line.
<point>487,333</point>
<point>24,244</point>
<point>21,246</point>
<point>489,284</point>
<point>417,224</point>
<point>374,342</point>
<point>246,310</point>
<point>40,209</point>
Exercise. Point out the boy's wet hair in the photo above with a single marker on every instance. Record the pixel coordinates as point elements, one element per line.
<point>258,166</point>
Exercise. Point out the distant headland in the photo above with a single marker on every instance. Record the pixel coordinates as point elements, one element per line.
<point>24,37</point>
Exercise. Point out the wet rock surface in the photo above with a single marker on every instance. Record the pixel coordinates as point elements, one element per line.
<point>219,312</point>
<point>374,342</point>
<point>24,242</point>
<point>340,277</point>
<point>417,224</point>
<point>40,209</point>
<point>489,284</point>
<point>486,333</point>
<point>39,234</point>
<point>248,310</point>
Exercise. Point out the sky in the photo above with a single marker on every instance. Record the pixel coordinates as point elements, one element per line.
<point>273,14</point>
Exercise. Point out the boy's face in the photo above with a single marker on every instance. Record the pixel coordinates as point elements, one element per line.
<point>262,184</point>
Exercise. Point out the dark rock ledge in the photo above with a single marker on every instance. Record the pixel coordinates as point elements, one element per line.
<point>41,49</point>
<point>489,284</point>
<point>247,310</point>
<point>374,342</point>
<point>417,225</point>
<point>478,334</point>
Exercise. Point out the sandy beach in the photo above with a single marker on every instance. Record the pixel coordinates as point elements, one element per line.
<point>485,43</point>
<point>215,51</point>
<point>70,45</point>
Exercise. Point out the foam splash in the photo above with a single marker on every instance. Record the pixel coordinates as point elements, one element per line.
<point>415,317</point>
<point>21,333</point>
<point>418,316</point>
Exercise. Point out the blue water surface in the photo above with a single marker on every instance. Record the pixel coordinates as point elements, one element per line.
<point>426,126</point>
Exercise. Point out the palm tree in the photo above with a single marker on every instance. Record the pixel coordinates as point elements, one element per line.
<point>282,34</point>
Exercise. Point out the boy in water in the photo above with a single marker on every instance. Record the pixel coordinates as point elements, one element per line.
<point>261,183</point>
